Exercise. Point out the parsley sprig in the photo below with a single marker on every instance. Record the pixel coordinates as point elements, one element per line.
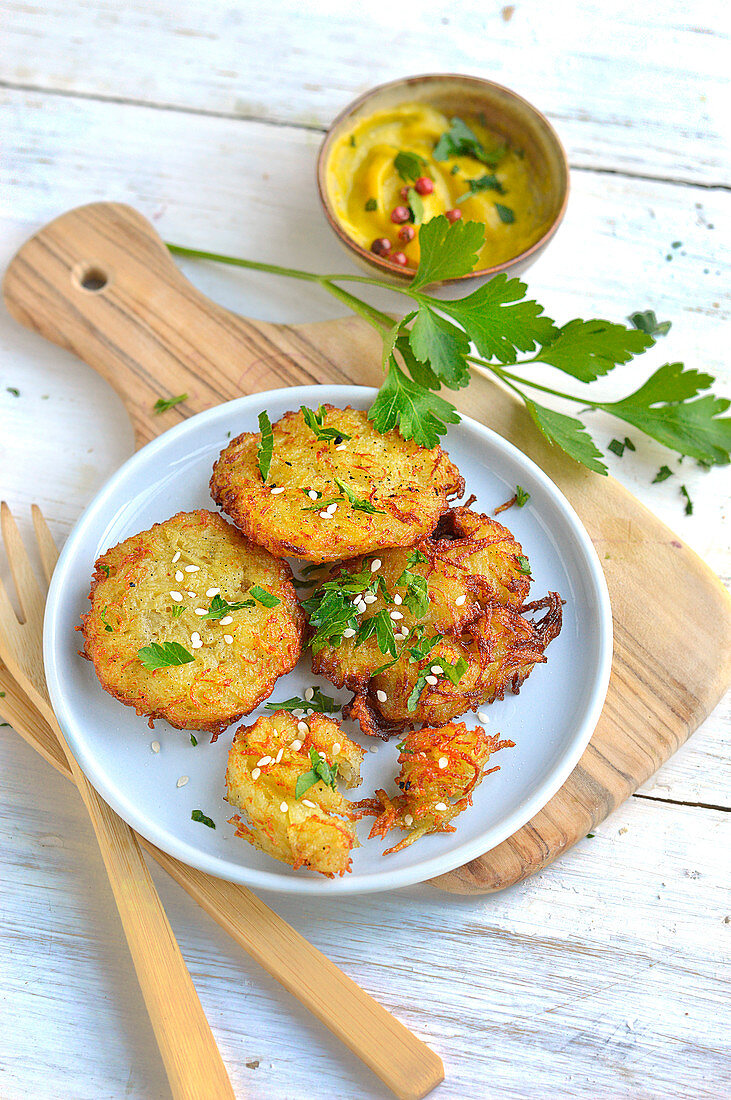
<point>429,349</point>
<point>320,770</point>
<point>321,704</point>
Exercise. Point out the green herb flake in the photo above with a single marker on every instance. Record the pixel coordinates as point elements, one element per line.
<point>353,142</point>
<point>524,565</point>
<point>454,170</point>
<point>506,215</point>
<point>616,447</point>
<point>413,701</point>
<point>488,182</point>
<point>356,502</point>
<point>646,321</point>
<point>178,610</point>
<point>321,704</point>
<point>662,474</point>
<point>13,390</point>
<point>416,557</point>
<point>371,205</point>
<point>590,836</point>
<point>416,206</point>
<point>2,694</point>
<point>267,599</point>
<point>164,655</point>
<point>198,815</point>
<point>220,607</point>
<point>410,166</point>
<point>164,403</point>
<point>380,624</point>
<point>104,569</point>
<point>315,421</point>
<point>265,450</point>
<point>522,496</point>
<point>460,141</point>
<point>629,444</point>
<point>321,770</point>
<point>688,501</point>
<point>193,739</point>
<point>107,627</point>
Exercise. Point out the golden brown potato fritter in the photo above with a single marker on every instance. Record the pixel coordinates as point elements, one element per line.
<point>305,828</point>
<point>450,610</point>
<point>440,769</point>
<point>156,589</point>
<point>328,499</point>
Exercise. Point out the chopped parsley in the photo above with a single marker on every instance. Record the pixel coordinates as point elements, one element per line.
<point>321,704</point>
<point>104,569</point>
<point>178,610</point>
<point>460,141</point>
<point>267,599</point>
<point>220,607</point>
<point>320,770</point>
<point>688,501</point>
<point>413,700</point>
<point>506,215</point>
<point>662,474</point>
<point>107,627</point>
<point>646,321</point>
<point>522,496</point>
<point>416,206</point>
<point>417,592</point>
<point>164,403</point>
<point>524,565</point>
<point>489,182</point>
<point>164,655</point>
<point>265,450</point>
<point>417,557</point>
<point>380,624</point>
<point>13,390</point>
<point>315,421</point>
<point>371,205</point>
<point>198,815</point>
<point>410,165</point>
<point>454,672</point>
<point>356,502</point>
<point>193,739</point>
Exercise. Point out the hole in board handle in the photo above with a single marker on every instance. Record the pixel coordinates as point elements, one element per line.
<point>91,277</point>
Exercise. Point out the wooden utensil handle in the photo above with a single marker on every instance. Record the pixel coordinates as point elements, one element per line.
<point>100,282</point>
<point>405,1064</point>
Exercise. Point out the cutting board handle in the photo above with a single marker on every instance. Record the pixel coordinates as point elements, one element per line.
<point>100,282</point>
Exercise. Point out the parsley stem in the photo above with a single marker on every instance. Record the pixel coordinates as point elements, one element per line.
<point>505,375</point>
<point>380,321</point>
<point>273,269</point>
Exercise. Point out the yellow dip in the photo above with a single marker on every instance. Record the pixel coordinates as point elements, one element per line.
<point>361,175</point>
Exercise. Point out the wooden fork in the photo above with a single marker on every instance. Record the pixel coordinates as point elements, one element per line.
<point>405,1064</point>
<point>192,1060</point>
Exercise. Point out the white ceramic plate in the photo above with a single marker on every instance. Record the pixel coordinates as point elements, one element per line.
<point>551,720</point>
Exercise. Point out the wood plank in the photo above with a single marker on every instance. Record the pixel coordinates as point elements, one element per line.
<point>603,976</point>
<point>643,95</point>
<point>672,661</point>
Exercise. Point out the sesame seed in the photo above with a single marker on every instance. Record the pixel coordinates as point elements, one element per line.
<point>309,693</point>
<point>176,556</point>
<point>306,802</point>
<point>440,806</point>
<point>192,568</point>
<point>197,644</point>
<point>381,696</point>
<point>177,596</point>
<point>396,615</point>
<point>431,680</point>
<point>195,637</point>
<point>226,620</point>
<point>182,781</point>
<point>375,564</point>
<point>331,508</point>
<point>408,820</point>
<point>397,599</point>
<point>296,745</point>
<point>443,761</point>
<point>482,716</point>
<point>460,600</point>
<point>360,607</point>
<point>324,515</point>
<point>302,727</point>
<point>278,757</point>
<point>228,639</point>
<point>277,491</point>
<point>437,670</point>
<point>336,748</point>
<point>283,807</point>
<point>155,746</point>
<point>213,592</point>
<point>192,595</point>
<point>255,773</point>
<point>264,761</point>
<point>308,712</point>
<point>179,575</point>
<point>312,494</point>
<point>348,632</point>
<point>340,447</point>
<point>370,597</point>
<point>298,713</point>
<point>373,748</point>
<point>201,611</point>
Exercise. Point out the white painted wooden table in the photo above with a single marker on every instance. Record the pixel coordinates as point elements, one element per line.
<point>600,977</point>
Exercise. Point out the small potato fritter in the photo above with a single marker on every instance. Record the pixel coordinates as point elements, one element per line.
<point>440,769</point>
<point>450,611</point>
<point>266,762</point>
<point>157,587</point>
<point>350,494</point>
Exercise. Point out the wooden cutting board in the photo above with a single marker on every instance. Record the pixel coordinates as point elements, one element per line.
<point>100,282</point>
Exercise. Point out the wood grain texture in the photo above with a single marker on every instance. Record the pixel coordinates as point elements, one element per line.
<point>646,96</point>
<point>405,1065</point>
<point>672,660</point>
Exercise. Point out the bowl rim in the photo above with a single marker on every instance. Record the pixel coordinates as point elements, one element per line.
<point>393,270</point>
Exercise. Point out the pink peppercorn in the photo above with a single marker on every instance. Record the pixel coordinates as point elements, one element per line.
<point>400,214</point>
<point>406,233</point>
<point>424,185</point>
<point>399,258</point>
<point>453,215</point>
<point>381,246</point>
<point>404,193</point>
